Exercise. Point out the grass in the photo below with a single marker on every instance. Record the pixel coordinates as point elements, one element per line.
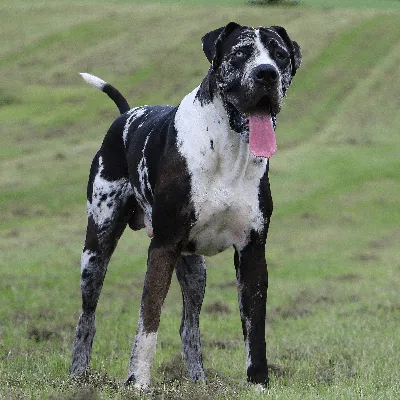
<point>333,309</point>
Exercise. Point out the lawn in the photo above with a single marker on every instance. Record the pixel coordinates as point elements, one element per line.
<point>333,323</point>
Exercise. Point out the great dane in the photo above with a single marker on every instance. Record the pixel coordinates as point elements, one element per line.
<point>196,177</point>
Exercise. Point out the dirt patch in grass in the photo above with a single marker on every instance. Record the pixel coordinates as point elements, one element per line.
<point>277,370</point>
<point>173,370</point>
<point>309,218</point>
<point>74,100</point>
<point>217,307</point>
<point>185,390</point>
<point>88,386</point>
<point>223,344</point>
<point>294,312</point>
<point>299,307</point>
<point>12,233</point>
<point>78,394</point>
<point>307,215</point>
<point>390,308</point>
<point>294,354</point>
<point>20,212</point>
<point>60,156</point>
<point>20,316</point>
<point>42,334</point>
<point>7,99</point>
<point>349,277</point>
<point>385,241</point>
<point>365,257</point>
<point>91,380</point>
<point>377,244</point>
<point>323,300</point>
<point>335,368</point>
<point>175,383</point>
<point>56,132</point>
<point>224,285</point>
<point>47,313</point>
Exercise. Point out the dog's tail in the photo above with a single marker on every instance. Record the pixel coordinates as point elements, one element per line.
<point>110,90</point>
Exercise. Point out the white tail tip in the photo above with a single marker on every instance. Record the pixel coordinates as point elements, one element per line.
<point>93,80</point>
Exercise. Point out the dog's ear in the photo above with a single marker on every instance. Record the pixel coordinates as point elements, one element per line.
<point>297,55</point>
<point>295,51</point>
<point>212,42</point>
<point>208,41</point>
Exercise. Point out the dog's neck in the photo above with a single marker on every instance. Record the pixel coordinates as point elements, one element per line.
<point>215,151</point>
<point>206,138</point>
<point>208,91</point>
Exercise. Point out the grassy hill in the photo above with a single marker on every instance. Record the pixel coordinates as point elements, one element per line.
<point>334,303</point>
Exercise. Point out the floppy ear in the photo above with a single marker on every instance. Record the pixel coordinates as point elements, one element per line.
<point>297,55</point>
<point>208,41</point>
<point>295,52</point>
<point>212,41</point>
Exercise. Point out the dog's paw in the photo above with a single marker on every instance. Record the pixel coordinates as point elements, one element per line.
<point>259,388</point>
<point>141,386</point>
<point>79,371</point>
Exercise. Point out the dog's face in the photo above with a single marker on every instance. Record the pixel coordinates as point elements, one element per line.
<point>253,67</point>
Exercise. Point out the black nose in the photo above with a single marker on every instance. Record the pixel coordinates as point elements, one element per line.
<point>266,73</point>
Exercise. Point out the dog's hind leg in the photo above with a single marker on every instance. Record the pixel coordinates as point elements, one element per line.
<point>110,205</point>
<point>191,274</point>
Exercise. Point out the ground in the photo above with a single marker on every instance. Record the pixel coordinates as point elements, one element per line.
<point>334,305</point>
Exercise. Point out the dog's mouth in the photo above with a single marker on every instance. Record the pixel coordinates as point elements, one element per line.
<point>262,141</point>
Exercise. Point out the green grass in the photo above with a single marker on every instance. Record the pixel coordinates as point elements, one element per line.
<point>356,4</point>
<point>334,306</point>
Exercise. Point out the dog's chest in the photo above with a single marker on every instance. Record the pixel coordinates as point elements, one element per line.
<point>226,211</point>
<point>225,179</point>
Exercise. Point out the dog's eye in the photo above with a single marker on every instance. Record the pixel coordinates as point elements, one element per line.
<point>280,55</point>
<point>238,54</point>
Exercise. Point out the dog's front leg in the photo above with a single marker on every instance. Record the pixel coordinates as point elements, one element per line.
<point>191,274</point>
<point>160,265</point>
<point>252,283</point>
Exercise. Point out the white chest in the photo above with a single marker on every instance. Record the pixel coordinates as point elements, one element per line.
<point>225,177</point>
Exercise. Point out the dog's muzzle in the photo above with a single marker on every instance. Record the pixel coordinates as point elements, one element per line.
<point>263,101</point>
<point>265,74</point>
<point>266,94</point>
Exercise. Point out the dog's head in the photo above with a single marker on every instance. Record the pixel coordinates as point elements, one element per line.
<point>252,68</point>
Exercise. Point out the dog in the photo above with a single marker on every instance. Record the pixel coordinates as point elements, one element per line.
<point>196,177</point>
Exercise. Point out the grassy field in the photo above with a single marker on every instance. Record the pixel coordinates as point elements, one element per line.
<point>333,252</point>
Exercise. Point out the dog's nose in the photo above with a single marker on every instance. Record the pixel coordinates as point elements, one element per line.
<point>266,73</point>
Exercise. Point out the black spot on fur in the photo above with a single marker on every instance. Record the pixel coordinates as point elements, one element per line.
<point>91,242</point>
<point>85,274</point>
<point>265,197</point>
<point>191,246</point>
<point>211,144</point>
<point>207,89</point>
<point>93,172</point>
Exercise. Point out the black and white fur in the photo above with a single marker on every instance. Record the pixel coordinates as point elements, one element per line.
<point>186,174</point>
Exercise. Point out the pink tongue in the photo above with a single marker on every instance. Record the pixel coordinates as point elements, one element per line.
<point>262,136</point>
